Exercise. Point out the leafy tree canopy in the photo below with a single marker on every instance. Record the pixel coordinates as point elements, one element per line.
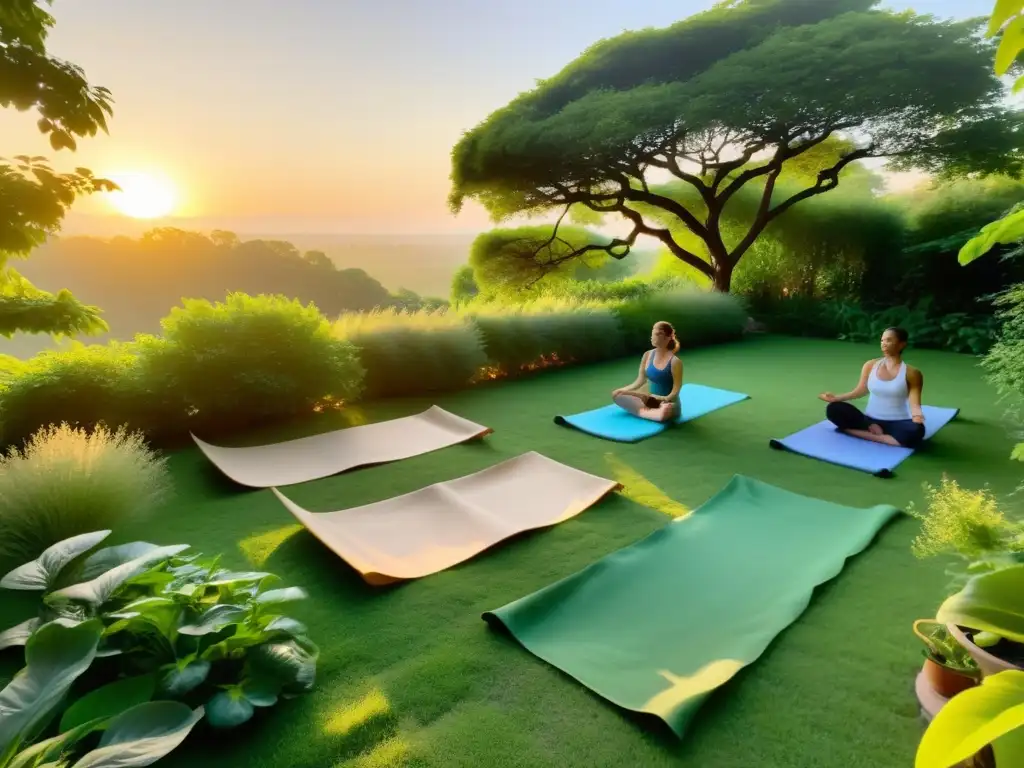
<point>34,198</point>
<point>517,259</point>
<point>725,99</point>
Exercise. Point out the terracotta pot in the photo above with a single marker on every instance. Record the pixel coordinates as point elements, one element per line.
<point>946,682</point>
<point>987,663</point>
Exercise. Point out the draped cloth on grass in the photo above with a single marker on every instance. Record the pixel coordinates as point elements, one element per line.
<point>329,453</point>
<point>658,626</point>
<point>426,531</point>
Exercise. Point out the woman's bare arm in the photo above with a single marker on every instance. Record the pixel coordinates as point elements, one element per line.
<point>859,391</point>
<point>915,383</point>
<point>641,377</point>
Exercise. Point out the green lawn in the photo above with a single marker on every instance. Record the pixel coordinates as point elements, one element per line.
<point>411,676</point>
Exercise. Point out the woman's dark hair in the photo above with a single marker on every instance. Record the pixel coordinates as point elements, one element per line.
<point>900,333</point>
<point>668,330</point>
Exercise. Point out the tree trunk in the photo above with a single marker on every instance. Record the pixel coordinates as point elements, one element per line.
<point>723,277</point>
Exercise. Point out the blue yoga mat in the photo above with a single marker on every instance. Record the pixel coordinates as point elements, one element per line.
<point>615,423</point>
<point>823,441</point>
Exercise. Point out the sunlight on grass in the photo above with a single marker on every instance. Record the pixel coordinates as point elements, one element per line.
<point>342,721</point>
<point>259,547</point>
<point>638,488</point>
<point>387,754</point>
<point>683,688</point>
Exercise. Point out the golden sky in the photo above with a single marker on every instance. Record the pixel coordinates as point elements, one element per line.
<point>317,115</point>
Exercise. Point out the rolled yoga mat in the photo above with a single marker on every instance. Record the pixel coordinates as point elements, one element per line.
<point>658,626</point>
<point>612,422</point>
<point>317,456</point>
<point>824,442</point>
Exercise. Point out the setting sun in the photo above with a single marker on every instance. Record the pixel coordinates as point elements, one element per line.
<point>143,195</point>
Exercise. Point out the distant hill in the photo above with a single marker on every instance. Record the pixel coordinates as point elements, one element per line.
<point>422,263</point>
<point>136,282</point>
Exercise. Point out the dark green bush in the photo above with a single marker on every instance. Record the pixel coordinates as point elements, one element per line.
<point>413,353</point>
<point>699,317</point>
<point>548,331</point>
<point>83,386</point>
<point>955,332</point>
<point>246,361</point>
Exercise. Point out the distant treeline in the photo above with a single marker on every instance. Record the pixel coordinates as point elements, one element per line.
<point>137,281</point>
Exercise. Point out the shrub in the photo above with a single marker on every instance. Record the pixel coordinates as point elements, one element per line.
<point>159,633</point>
<point>247,360</point>
<point>956,332</point>
<point>67,481</point>
<point>699,317</point>
<point>548,331</point>
<point>9,368</point>
<point>413,353</point>
<point>84,386</point>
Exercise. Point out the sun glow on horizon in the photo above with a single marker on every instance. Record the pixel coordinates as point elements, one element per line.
<point>143,195</point>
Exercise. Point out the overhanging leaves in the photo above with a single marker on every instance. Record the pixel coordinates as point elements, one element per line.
<point>993,602</point>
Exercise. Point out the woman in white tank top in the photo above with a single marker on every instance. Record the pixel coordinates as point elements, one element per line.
<point>893,414</point>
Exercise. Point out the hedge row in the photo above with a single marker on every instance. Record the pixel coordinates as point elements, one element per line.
<point>250,360</point>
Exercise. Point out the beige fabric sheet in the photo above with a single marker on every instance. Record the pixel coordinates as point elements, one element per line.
<point>439,526</point>
<point>310,458</point>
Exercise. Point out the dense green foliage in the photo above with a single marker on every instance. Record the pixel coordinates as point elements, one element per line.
<point>411,353</point>
<point>33,197</point>
<point>221,367</point>
<point>142,633</point>
<point>767,78</point>
<point>67,482</point>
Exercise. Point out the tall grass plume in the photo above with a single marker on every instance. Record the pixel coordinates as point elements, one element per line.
<point>68,481</point>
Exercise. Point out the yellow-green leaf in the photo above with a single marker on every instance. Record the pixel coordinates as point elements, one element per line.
<point>993,602</point>
<point>1011,45</point>
<point>973,719</point>
<point>1003,12</point>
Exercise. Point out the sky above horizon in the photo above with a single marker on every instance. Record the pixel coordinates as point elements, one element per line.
<point>318,115</point>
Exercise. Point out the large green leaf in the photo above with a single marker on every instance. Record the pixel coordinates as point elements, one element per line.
<point>230,578</point>
<point>100,562</point>
<point>19,634</point>
<point>1002,13</point>
<point>142,735</point>
<point>229,708</point>
<point>285,595</point>
<point>973,719</point>
<point>1004,231</point>
<point>41,573</point>
<point>215,619</point>
<point>159,613</point>
<point>290,664</point>
<point>55,656</point>
<point>1010,46</point>
<point>184,675</point>
<point>98,590</point>
<point>109,700</point>
<point>993,602</point>
<point>42,752</point>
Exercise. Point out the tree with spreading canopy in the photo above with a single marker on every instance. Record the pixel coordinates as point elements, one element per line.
<point>665,127</point>
<point>33,197</point>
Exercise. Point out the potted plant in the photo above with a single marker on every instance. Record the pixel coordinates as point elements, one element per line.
<point>987,618</point>
<point>949,666</point>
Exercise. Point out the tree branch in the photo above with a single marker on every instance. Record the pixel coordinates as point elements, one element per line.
<point>827,179</point>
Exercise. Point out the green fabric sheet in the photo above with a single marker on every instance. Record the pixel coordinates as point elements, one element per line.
<point>657,626</point>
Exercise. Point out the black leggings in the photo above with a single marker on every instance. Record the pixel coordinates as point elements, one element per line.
<point>907,432</point>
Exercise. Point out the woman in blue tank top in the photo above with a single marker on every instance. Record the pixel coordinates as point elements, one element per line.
<point>893,415</point>
<point>662,371</point>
